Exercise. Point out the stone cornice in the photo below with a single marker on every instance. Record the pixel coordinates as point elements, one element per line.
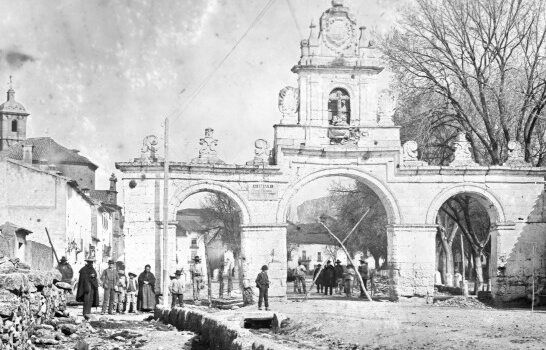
<point>334,69</point>
<point>192,168</point>
<point>474,170</point>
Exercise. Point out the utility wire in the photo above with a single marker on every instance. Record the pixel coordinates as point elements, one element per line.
<point>293,13</point>
<point>179,112</point>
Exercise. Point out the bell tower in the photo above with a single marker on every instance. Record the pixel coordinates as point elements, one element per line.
<point>339,102</point>
<point>13,120</point>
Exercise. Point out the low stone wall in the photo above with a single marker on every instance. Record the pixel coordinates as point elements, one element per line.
<point>28,299</point>
<point>219,332</point>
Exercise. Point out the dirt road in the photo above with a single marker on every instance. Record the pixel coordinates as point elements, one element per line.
<point>410,325</point>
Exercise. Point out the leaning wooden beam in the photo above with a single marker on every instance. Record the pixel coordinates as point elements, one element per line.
<point>350,260</point>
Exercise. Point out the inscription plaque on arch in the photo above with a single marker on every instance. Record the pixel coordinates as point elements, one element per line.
<point>263,192</point>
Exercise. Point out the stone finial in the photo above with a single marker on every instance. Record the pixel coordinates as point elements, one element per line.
<point>462,157</point>
<point>261,153</point>
<point>386,106</point>
<point>313,35</point>
<point>289,104</point>
<point>516,155</point>
<point>364,41</point>
<point>410,156</point>
<point>207,152</point>
<point>149,149</point>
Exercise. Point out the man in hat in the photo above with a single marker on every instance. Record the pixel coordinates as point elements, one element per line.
<point>365,274</point>
<point>196,272</point>
<point>177,289</point>
<point>328,277</point>
<point>338,273</point>
<point>262,283</point>
<point>88,287</point>
<point>132,289</point>
<point>109,280</point>
<point>66,270</point>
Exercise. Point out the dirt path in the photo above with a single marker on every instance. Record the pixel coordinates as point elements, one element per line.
<point>410,325</point>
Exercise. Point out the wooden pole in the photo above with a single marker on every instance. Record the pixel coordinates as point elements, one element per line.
<point>533,282</point>
<point>350,260</point>
<point>51,244</point>
<point>165,259</point>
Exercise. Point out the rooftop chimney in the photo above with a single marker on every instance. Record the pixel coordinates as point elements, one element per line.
<point>113,181</point>
<point>27,153</point>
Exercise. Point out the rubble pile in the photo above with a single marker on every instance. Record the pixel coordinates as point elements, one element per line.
<point>462,302</point>
<point>29,301</point>
<point>381,285</point>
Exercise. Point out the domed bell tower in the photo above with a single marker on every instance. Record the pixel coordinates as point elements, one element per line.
<point>13,120</point>
<point>340,102</point>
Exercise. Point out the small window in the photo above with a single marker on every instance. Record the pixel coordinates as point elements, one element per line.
<point>14,126</point>
<point>319,256</point>
<point>194,243</point>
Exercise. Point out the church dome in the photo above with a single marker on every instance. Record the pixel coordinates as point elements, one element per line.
<point>11,106</point>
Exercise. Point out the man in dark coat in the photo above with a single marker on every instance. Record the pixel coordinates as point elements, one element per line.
<point>328,277</point>
<point>339,276</point>
<point>365,274</point>
<point>88,287</point>
<point>262,283</point>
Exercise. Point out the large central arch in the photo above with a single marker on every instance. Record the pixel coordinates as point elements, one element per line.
<point>384,194</point>
<point>209,186</point>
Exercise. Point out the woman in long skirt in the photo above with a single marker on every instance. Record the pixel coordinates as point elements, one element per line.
<point>146,290</point>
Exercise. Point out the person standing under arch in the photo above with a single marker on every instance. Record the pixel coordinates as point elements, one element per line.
<point>146,290</point>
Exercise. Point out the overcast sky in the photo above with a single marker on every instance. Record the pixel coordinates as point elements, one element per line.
<point>99,75</point>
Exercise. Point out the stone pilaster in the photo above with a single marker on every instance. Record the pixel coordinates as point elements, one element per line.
<point>266,245</point>
<point>411,255</point>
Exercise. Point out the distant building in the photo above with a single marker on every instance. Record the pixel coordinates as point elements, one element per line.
<point>85,219</point>
<point>36,199</point>
<point>311,244</point>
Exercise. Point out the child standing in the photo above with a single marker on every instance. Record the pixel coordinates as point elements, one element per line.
<point>131,293</point>
<point>177,288</point>
<point>121,292</point>
<point>262,282</point>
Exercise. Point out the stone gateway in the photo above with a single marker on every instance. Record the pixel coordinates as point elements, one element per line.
<point>338,122</point>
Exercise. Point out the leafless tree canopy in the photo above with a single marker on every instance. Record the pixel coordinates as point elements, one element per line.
<point>477,66</point>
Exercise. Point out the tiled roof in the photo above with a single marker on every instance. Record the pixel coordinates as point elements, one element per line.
<point>313,233</point>
<point>8,227</point>
<point>45,148</point>
<point>195,220</point>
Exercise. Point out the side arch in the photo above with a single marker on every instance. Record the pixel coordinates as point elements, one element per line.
<point>209,186</point>
<point>387,198</point>
<point>487,199</point>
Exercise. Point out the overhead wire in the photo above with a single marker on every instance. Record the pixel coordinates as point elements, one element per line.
<point>293,14</point>
<point>178,112</point>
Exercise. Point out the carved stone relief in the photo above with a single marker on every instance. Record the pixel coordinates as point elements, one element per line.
<point>463,152</point>
<point>516,155</point>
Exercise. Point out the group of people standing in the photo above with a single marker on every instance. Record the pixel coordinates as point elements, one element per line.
<point>121,293</point>
<point>332,279</point>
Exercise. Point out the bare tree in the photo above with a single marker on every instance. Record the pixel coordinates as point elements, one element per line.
<point>371,233</point>
<point>447,231</point>
<point>483,61</point>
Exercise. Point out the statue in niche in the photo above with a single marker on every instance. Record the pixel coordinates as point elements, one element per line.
<point>462,157</point>
<point>339,107</point>
<point>261,153</point>
<point>207,152</point>
<point>339,114</point>
<point>516,155</point>
<point>289,101</point>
